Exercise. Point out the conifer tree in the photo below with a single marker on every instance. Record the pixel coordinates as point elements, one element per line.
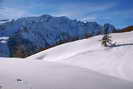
<point>106,40</point>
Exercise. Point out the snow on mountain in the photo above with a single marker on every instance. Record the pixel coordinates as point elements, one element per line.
<point>45,31</point>
<point>89,53</point>
<point>38,74</point>
<point>4,50</point>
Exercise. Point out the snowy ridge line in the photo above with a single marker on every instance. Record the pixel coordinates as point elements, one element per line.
<point>115,61</point>
<point>69,44</point>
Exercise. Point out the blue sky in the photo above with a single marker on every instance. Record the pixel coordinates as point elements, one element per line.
<point>116,12</point>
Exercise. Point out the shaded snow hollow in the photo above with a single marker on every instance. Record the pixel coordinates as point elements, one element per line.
<point>88,53</point>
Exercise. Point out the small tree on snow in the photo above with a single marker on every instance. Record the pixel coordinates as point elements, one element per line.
<point>106,40</point>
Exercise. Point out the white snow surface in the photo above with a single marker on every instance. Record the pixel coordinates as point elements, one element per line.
<point>82,64</point>
<point>37,74</point>
<point>89,53</point>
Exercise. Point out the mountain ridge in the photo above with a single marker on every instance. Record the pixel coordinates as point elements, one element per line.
<point>45,31</point>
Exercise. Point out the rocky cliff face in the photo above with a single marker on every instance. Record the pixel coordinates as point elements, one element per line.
<point>33,34</point>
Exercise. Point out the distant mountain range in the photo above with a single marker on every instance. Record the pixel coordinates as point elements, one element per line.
<point>127,29</point>
<point>29,35</point>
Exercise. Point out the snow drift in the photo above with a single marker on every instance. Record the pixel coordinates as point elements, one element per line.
<point>88,53</point>
<point>82,64</point>
<point>37,74</point>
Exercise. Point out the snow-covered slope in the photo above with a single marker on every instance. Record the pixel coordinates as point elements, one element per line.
<point>38,74</point>
<point>75,65</point>
<point>88,53</point>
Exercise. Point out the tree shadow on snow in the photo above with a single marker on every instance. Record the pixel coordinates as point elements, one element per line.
<point>119,45</point>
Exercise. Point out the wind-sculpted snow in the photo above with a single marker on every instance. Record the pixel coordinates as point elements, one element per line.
<point>46,31</point>
<point>116,61</point>
<point>37,74</point>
